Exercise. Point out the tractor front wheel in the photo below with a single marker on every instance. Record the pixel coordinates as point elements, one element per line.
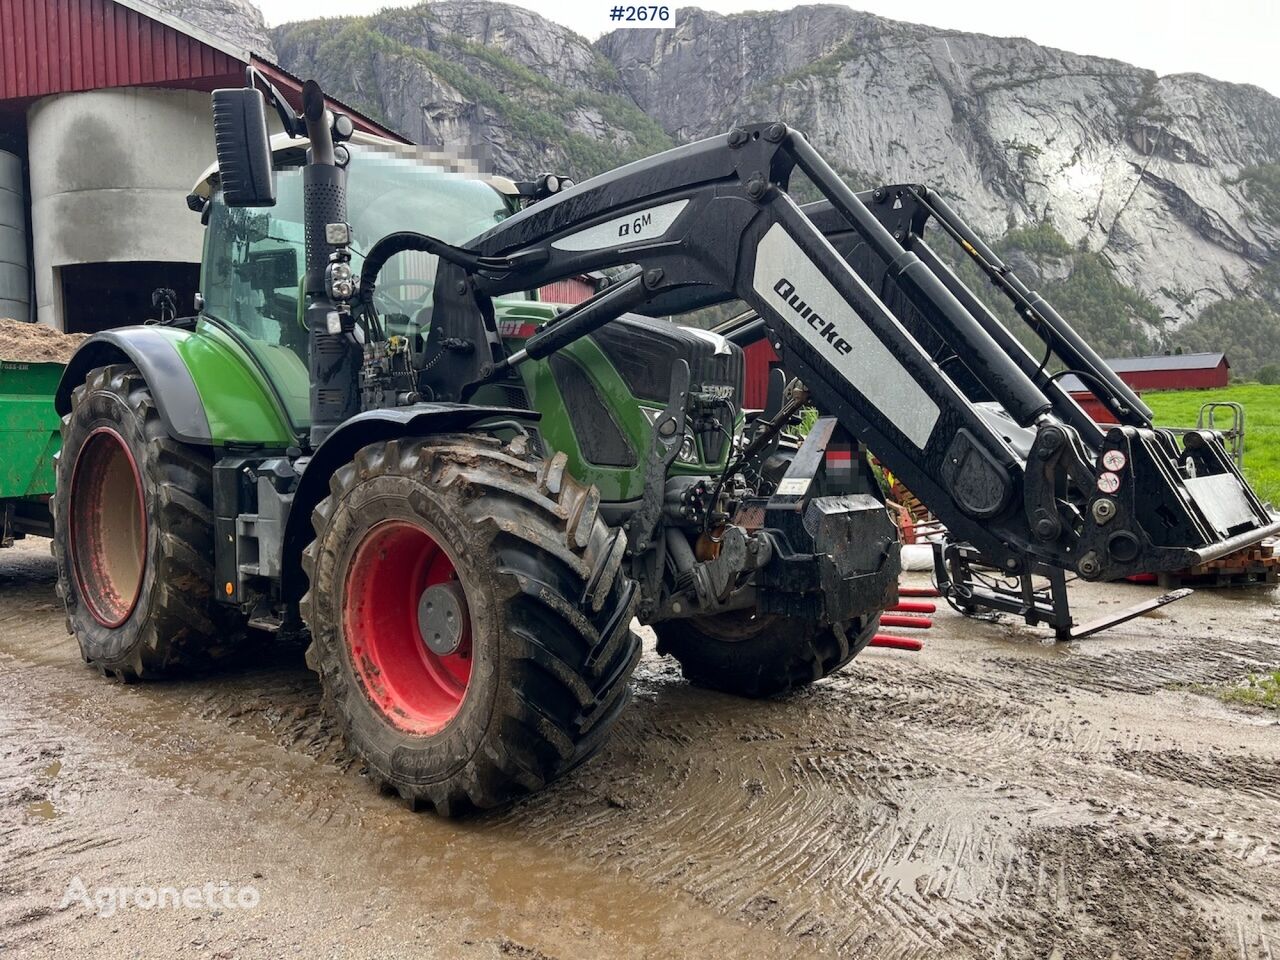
<point>760,655</point>
<point>133,520</point>
<point>469,618</point>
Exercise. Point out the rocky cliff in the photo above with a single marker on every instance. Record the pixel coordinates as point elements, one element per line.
<point>492,81</point>
<point>237,21</point>
<point>1148,207</point>
<point>1170,181</point>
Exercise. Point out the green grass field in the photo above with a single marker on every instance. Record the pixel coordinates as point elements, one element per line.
<point>1178,408</point>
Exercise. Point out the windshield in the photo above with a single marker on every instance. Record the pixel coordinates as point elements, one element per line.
<point>254,256</point>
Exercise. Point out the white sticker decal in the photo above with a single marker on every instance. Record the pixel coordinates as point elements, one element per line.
<point>1108,483</point>
<point>795,287</point>
<point>1114,460</point>
<point>642,225</point>
<point>793,487</point>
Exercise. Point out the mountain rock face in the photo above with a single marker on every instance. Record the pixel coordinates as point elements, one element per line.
<point>236,21</point>
<point>1148,207</point>
<point>494,82</point>
<point>1151,173</point>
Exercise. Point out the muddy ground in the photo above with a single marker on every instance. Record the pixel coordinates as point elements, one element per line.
<point>994,796</point>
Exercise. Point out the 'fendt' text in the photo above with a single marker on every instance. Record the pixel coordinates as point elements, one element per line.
<point>786,289</point>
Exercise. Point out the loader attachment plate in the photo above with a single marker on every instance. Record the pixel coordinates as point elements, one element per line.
<point>1223,501</point>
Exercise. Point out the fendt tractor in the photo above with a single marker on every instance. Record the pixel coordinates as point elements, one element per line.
<point>372,434</point>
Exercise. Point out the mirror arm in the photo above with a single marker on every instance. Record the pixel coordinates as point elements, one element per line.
<point>292,123</point>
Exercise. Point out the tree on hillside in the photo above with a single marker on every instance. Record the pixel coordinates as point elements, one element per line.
<point>1246,330</point>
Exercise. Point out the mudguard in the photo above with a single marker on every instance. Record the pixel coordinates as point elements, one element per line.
<point>372,426</point>
<point>206,388</point>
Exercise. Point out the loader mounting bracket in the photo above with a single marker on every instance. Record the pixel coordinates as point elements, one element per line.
<point>970,585</point>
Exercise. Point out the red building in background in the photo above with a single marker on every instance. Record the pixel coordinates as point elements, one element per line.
<point>1186,371</point>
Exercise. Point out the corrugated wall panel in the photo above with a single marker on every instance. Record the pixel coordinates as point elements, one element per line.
<point>59,46</point>
<point>570,290</point>
<point>72,51</point>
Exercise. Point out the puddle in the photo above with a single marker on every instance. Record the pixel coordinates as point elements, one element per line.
<point>43,810</point>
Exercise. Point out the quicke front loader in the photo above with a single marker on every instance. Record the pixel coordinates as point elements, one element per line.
<point>372,434</point>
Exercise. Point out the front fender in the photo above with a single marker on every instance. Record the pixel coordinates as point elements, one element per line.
<point>372,426</point>
<point>207,390</point>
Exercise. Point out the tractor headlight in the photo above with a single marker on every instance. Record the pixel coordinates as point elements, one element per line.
<point>688,452</point>
<point>337,277</point>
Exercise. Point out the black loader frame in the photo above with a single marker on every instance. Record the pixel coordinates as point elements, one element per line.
<point>888,341</point>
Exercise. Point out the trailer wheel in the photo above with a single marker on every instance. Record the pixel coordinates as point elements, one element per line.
<point>760,655</point>
<point>469,619</point>
<point>134,535</point>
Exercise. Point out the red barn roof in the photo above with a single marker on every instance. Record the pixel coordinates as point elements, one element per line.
<point>1178,361</point>
<point>64,46</point>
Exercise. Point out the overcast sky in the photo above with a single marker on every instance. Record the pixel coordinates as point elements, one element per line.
<point>1236,40</point>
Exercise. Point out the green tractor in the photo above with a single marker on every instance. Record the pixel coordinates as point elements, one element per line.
<point>466,562</point>
<point>374,434</point>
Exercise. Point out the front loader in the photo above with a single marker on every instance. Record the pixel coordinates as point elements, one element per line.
<point>373,434</point>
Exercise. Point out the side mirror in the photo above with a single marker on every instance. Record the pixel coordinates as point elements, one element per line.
<point>244,149</point>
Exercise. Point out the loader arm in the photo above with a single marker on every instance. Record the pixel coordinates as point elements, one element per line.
<point>1040,485</point>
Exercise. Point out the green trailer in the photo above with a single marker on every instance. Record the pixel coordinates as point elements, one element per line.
<point>29,441</point>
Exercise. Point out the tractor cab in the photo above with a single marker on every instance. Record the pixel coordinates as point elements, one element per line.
<point>254,257</point>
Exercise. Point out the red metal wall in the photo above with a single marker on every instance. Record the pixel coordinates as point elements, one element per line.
<point>571,290</point>
<point>1094,407</point>
<point>759,358</point>
<point>57,46</point>
<point>1178,379</point>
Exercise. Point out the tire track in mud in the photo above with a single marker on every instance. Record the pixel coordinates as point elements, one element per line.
<point>402,850</point>
<point>1103,892</point>
<point>1251,776</point>
<point>913,821</point>
<point>1147,671</point>
<point>864,845</point>
<point>33,791</point>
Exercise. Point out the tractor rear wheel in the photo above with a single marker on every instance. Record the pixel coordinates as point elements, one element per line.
<point>469,618</point>
<point>760,655</point>
<point>134,535</point>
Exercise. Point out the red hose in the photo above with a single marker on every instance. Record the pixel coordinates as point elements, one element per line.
<point>896,643</point>
<point>912,623</point>
<point>918,592</point>
<point>909,606</point>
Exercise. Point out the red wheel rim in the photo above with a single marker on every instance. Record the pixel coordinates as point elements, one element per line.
<point>415,689</point>
<point>108,520</point>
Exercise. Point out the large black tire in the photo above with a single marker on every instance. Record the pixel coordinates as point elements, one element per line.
<point>760,656</point>
<point>134,535</point>
<point>543,671</point>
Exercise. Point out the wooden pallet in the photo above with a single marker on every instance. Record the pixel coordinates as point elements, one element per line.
<point>1255,565</point>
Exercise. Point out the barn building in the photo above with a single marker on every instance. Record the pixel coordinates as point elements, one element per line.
<point>105,124</point>
<point>1185,371</point>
